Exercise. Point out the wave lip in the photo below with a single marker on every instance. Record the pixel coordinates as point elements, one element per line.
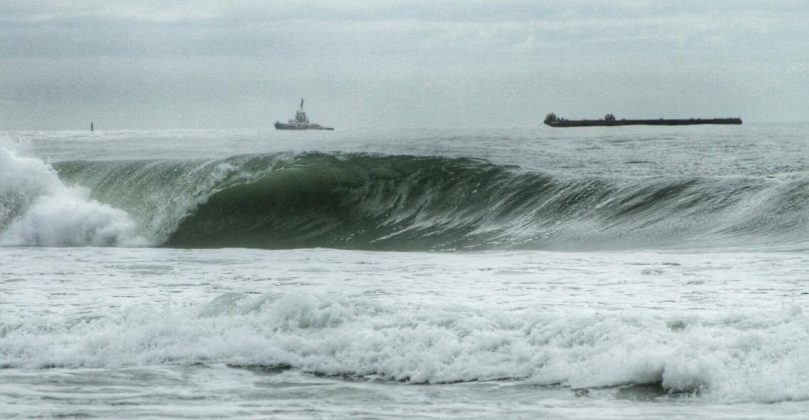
<point>735,358</point>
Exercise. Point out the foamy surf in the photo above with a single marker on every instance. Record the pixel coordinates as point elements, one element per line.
<point>753,356</point>
<point>38,209</point>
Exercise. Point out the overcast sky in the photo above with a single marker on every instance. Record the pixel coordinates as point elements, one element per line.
<point>223,64</point>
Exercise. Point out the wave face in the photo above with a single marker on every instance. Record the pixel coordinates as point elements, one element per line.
<point>361,201</point>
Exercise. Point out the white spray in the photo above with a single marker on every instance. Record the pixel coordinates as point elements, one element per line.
<point>38,209</point>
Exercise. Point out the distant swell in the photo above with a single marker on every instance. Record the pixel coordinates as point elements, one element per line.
<point>362,201</point>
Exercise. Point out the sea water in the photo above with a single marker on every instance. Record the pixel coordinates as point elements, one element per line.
<point>628,272</point>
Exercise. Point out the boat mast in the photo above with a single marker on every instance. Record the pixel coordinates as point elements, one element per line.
<point>300,116</point>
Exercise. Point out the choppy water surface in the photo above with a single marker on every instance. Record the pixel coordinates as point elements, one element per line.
<point>594,273</point>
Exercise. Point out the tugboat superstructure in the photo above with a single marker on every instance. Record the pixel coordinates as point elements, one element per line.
<point>301,122</point>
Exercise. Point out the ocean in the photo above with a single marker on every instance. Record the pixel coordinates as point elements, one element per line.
<point>627,272</point>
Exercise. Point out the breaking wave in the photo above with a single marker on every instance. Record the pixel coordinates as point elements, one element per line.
<point>744,357</point>
<point>364,201</point>
<point>37,209</point>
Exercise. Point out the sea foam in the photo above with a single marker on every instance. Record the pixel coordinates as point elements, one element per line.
<point>744,357</point>
<point>37,209</point>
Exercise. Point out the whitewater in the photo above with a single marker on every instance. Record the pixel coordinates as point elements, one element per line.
<point>629,272</point>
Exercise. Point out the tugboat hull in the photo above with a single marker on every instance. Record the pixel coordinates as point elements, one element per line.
<point>300,122</point>
<point>282,126</point>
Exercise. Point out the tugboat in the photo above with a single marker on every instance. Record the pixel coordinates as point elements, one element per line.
<point>609,120</point>
<point>301,122</point>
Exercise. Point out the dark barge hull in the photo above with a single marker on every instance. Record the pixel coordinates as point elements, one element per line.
<point>661,121</point>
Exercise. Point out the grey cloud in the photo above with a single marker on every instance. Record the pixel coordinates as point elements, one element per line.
<point>174,64</point>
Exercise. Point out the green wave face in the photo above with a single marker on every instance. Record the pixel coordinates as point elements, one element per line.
<point>359,201</point>
<point>355,201</point>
